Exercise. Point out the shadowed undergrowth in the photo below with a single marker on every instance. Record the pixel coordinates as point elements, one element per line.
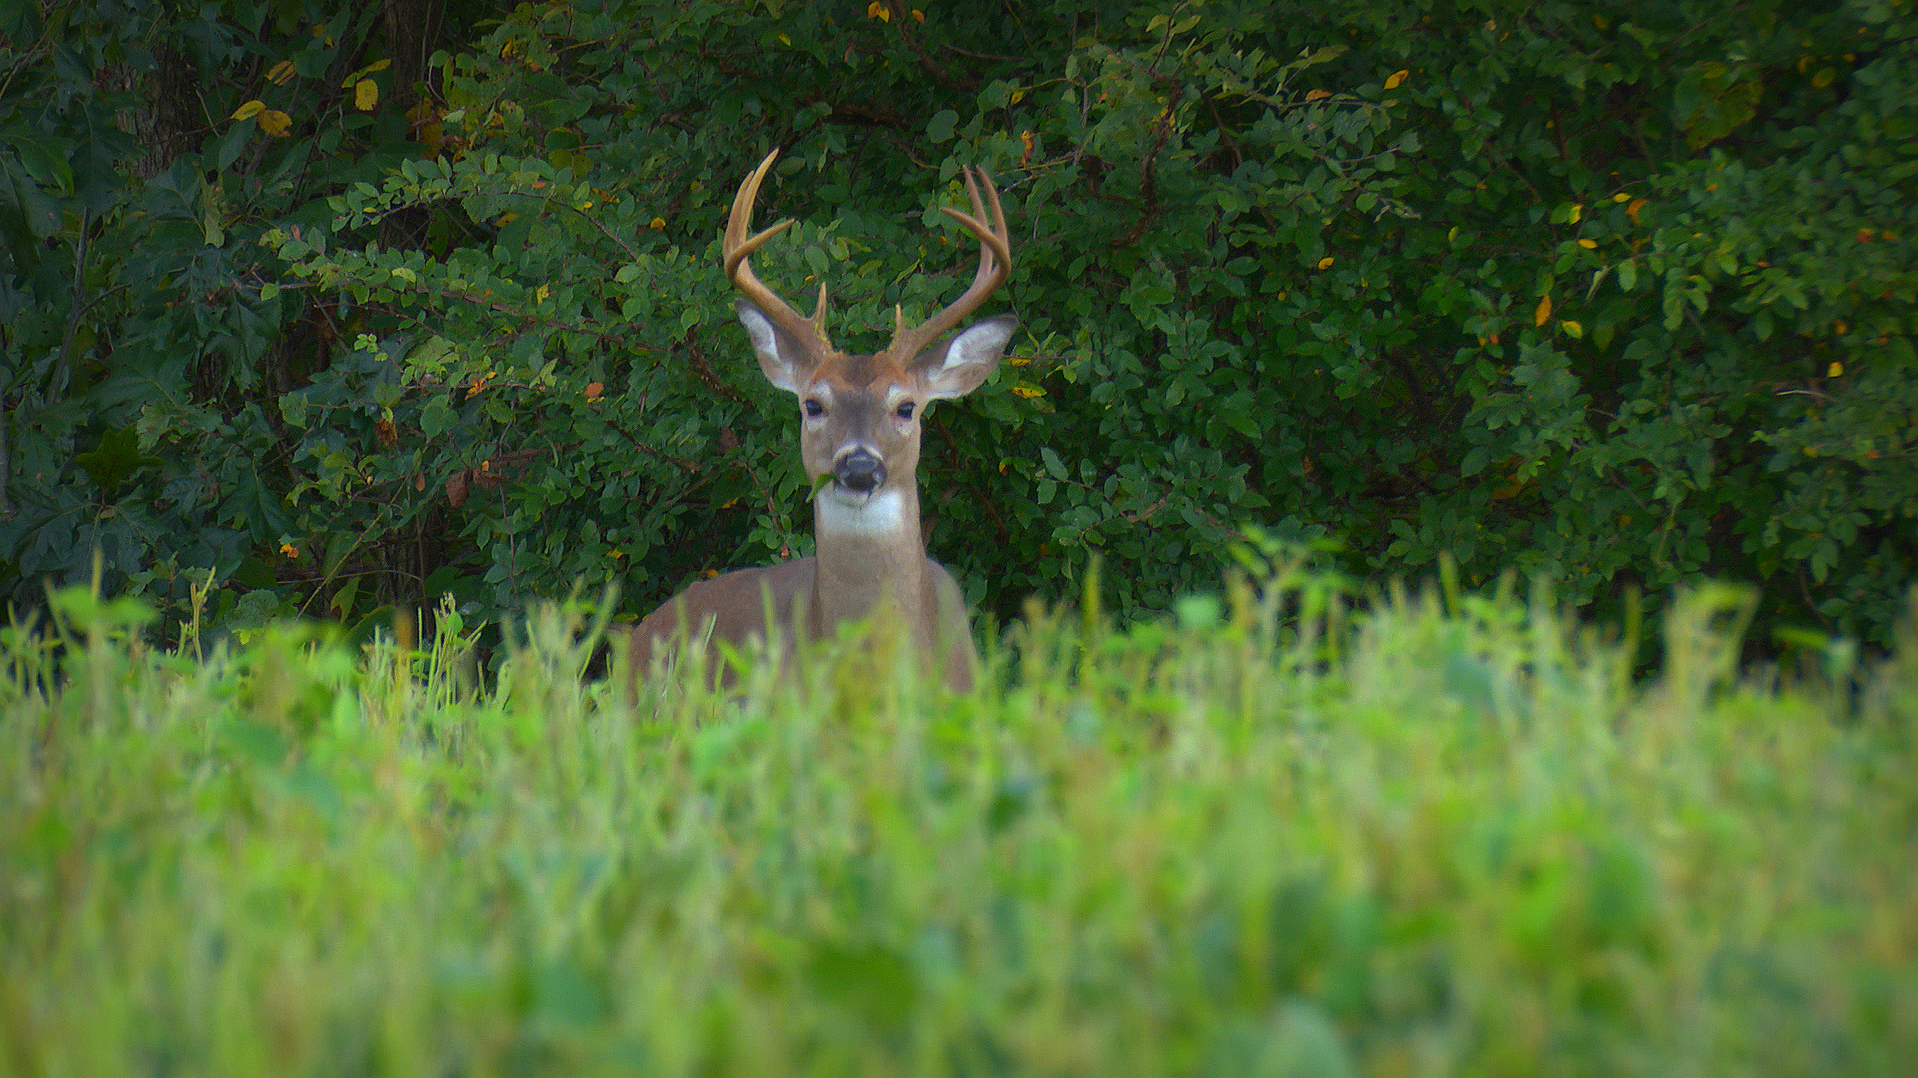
<point>1264,837</point>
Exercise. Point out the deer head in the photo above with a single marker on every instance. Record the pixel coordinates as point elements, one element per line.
<point>861,413</point>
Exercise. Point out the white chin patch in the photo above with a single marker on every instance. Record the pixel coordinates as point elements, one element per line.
<point>852,514</point>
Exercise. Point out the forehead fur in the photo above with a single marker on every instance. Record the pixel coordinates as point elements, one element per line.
<point>860,371</point>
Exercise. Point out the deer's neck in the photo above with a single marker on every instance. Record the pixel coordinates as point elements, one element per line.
<point>869,557</point>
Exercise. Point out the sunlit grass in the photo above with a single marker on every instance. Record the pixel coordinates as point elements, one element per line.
<point>1266,837</point>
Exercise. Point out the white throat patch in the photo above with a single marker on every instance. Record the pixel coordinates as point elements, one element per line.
<point>882,514</point>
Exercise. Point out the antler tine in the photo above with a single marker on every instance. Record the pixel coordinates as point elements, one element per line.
<point>988,222</point>
<point>739,247</point>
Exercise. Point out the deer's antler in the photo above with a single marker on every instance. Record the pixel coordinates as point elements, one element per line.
<point>810,332</point>
<point>988,222</point>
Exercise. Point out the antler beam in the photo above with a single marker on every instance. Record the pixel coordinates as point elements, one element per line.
<point>739,246</point>
<point>995,265</point>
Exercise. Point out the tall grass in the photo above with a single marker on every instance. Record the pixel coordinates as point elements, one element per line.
<point>1444,837</point>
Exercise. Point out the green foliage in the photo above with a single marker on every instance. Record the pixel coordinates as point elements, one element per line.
<point>1611,295</point>
<point>1264,838</point>
<point>145,332</point>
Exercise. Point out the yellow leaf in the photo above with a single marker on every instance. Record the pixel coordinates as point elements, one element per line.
<point>1326,262</point>
<point>1028,392</point>
<point>659,223</point>
<point>1843,327</point>
<point>1836,370</point>
<point>1638,204</point>
<point>1544,312</point>
<point>1578,211</point>
<point>918,15</point>
<point>1017,96</point>
<point>1622,196</point>
<point>249,110</point>
<point>366,95</point>
<point>877,10</point>
<point>545,292</point>
<point>1576,329</point>
<point>1825,77</point>
<point>1318,95</point>
<point>281,73</point>
<point>1396,79</point>
<point>275,123</point>
<point>1589,245</point>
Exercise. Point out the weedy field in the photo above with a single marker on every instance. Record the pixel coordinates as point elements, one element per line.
<point>1446,836</point>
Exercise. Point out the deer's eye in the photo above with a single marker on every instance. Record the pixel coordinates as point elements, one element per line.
<point>905,410</point>
<point>814,409</point>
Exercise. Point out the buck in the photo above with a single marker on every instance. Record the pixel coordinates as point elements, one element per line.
<point>861,422</point>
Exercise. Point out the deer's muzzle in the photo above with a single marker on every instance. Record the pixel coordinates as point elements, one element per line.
<point>860,472</point>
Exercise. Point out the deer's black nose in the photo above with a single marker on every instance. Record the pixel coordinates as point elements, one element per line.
<point>860,471</point>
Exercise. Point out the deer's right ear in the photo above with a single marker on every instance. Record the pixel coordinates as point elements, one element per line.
<point>780,357</point>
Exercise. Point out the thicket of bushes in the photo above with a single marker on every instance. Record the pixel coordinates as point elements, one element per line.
<point>302,310</point>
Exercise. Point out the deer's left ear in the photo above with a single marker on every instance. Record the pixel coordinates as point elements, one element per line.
<point>961,364</point>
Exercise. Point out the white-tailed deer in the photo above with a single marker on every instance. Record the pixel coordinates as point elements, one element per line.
<point>861,419</point>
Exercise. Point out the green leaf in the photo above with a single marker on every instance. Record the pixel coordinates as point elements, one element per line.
<point>115,460</point>
<point>293,408</point>
<point>437,417</point>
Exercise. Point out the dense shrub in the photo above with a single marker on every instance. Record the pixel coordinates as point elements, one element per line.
<point>1608,294</point>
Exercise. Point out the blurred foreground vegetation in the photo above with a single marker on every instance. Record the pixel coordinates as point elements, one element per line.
<point>1450,836</point>
<point>358,305</point>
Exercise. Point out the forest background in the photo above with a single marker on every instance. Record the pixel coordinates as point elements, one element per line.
<point>327,308</point>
